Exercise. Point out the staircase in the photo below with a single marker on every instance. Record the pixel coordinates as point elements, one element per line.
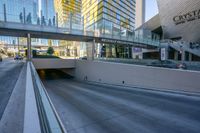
<point>185,47</point>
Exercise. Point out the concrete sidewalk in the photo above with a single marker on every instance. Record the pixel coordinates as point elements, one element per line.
<point>12,120</point>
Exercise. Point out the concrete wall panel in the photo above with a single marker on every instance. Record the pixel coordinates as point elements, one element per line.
<point>141,76</point>
<point>53,63</point>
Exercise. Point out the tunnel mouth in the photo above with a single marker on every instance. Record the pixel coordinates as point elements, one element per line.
<point>53,74</point>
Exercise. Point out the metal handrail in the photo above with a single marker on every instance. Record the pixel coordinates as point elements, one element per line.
<point>50,121</point>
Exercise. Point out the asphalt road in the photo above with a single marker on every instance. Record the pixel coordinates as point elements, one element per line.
<point>9,73</point>
<point>90,108</point>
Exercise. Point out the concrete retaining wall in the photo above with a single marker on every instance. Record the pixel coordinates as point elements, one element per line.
<point>140,76</point>
<point>53,63</point>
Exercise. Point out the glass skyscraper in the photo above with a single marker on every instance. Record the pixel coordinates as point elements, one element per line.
<point>68,11</point>
<point>109,16</point>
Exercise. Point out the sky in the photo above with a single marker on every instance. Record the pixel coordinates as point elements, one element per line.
<point>151,9</point>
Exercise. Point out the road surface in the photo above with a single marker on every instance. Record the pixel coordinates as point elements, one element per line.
<point>92,108</point>
<point>9,73</point>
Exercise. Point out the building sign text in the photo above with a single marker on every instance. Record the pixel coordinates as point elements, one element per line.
<point>190,16</point>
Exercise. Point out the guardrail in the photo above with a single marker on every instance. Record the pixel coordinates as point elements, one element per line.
<point>127,61</point>
<point>48,118</point>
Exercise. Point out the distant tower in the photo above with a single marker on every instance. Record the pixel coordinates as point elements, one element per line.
<point>140,13</point>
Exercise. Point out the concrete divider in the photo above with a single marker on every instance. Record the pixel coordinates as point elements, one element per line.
<point>140,76</point>
<point>53,63</point>
<point>31,117</point>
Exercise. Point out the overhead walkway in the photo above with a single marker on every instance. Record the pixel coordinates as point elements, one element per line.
<point>13,27</point>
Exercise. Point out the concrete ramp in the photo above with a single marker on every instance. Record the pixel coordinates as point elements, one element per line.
<point>53,63</point>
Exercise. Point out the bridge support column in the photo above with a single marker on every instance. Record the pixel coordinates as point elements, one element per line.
<point>176,55</point>
<point>183,56</point>
<point>108,50</point>
<point>190,57</point>
<point>90,50</point>
<point>29,56</point>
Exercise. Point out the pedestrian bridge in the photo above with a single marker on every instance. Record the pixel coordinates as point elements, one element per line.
<point>21,25</point>
<point>71,34</point>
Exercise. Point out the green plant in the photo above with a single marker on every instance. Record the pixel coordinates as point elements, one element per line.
<point>50,50</point>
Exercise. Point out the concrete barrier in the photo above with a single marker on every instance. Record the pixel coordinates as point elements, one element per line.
<point>139,76</point>
<point>53,63</point>
<point>31,117</point>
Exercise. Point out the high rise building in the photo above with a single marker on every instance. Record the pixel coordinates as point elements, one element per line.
<point>68,11</point>
<point>109,16</point>
<point>140,13</point>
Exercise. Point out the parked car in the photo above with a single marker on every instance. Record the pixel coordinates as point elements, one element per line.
<point>182,66</point>
<point>168,64</point>
<point>83,58</point>
<point>18,57</point>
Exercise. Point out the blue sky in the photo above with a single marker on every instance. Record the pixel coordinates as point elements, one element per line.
<point>151,9</point>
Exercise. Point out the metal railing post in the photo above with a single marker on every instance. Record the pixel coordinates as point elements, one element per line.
<point>4,11</point>
<point>57,20</point>
<point>24,14</point>
<point>70,23</point>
